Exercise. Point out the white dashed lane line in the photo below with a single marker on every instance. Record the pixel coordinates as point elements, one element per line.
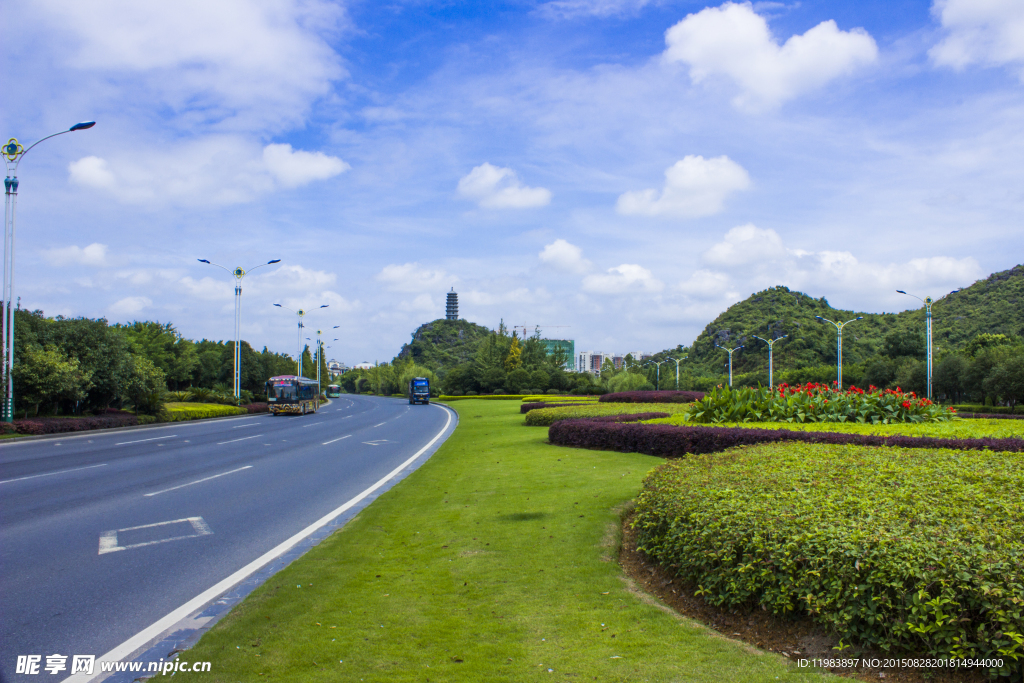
<point>197,481</point>
<point>50,474</point>
<point>338,439</point>
<point>242,439</point>
<point>155,438</point>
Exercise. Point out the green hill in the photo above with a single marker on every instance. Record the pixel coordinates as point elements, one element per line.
<point>442,344</point>
<point>992,305</point>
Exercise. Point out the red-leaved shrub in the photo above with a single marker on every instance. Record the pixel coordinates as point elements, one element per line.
<point>57,425</point>
<point>256,407</point>
<point>527,407</point>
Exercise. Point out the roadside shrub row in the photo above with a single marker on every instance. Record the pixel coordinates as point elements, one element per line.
<point>900,551</point>
<point>483,397</point>
<point>57,425</point>
<point>182,412</point>
<point>991,416</point>
<point>653,397</point>
<point>950,429</point>
<point>669,441</point>
<point>527,407</point>
<point>978,408</point>
<point>261,407</point>
<point>543,417</point>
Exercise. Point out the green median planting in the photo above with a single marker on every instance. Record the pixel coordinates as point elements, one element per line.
<point>181,412</point>
<point>494,561</point>
<point>543,417</point>
<point>903,552</point>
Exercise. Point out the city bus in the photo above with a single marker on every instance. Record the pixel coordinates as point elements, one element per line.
<point>293,394</point>
<point>333,391</point>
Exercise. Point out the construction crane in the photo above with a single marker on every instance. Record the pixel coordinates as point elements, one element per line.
<point>535,327</point>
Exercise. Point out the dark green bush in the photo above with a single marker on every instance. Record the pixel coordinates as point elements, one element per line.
<point>903,551</point>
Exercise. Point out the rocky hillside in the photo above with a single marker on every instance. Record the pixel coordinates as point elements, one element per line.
<point>444,343</point>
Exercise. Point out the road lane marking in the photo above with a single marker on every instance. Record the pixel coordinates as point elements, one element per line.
<point>108,539</point>
<point>197,481</point>
<point>338,439</point>
<point>50,474</point>
<point>125,649</point>
<point>242,439</point>
<point>243,426</point>
<point>376,442</point>
<point>155,438</point>
<point>380,425</point>
<point>313,423</point>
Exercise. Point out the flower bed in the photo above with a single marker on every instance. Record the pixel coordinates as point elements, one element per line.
<point>652,397</point>
<point>816,403</point>
<point>543,417</point>
<point>669,441</point>
<point>950,429</point>
<point>901,551</point>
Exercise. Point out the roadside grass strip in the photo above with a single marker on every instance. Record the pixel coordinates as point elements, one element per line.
<point>911,552</point>
<point>494,561</point>
<point>181,412</point>
<point>544,417</point>
<point>954,429</point>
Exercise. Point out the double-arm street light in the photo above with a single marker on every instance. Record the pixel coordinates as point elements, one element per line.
<point>13,152</point>
<point>677,360</point>
<point>298,337</point>
<point>239,273</point>
<point>770,344</point>
<point>730,359</point>
<point>839,344</point>
<point>657,384</point>
<point>927,301</point>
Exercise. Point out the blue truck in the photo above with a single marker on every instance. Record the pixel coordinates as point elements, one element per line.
<point>419,390</point>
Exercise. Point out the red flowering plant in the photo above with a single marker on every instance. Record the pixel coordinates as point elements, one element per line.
<point>814,402</point>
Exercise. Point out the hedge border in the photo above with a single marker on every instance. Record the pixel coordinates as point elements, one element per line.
<point>652,397</point>
<point>671,441</point>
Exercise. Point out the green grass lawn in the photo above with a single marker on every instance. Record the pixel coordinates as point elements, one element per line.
<point>495,561</point>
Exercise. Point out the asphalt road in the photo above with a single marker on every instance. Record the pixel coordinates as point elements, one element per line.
<point>103,534</point>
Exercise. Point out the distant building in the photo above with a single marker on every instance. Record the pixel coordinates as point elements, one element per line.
<point>336,367</point>
<point>363,366</point>
<point>566,345</point>
<point>451,309</point>
<point>590,361</point>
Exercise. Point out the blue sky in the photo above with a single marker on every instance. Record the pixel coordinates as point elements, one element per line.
<point>627,169</point>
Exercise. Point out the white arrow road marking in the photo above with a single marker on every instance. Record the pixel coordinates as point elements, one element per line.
<point>108,539</point>
<point>155,438</point>
<point>197,481</point>
<point>242,439</point>
<point>376,442</point>
<point>50,474</point>
<point>338,439</point>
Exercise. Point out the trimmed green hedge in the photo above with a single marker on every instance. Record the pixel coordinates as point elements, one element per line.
<point>978,408</point>
<point>909,551</point>
<point>544,417</point>
<point>485,397</point>
<point>182,412</point>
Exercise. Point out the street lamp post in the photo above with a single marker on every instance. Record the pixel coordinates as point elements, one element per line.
<point>239,273</point>
<point>839,344</point>
<point>658,376</point>
<point>318,356</point>
<point>13,152</point>
<point>677,360</point>
<point>927,301</point>
<point>298,337</point>
<point>730,360</point>
<point>770,344</point>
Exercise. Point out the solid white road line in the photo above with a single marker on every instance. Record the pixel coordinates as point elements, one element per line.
<point>155,438</point>
<point>197,481</point>
<point>242,439</point>
<point>50,474</point>
<point>327,442</point>
<point>144,636</point>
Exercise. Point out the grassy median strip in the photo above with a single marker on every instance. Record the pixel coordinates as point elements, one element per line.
<point>495,561</point>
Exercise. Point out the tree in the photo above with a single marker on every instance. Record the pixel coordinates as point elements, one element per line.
<point>176,356</point>
<point>47,376</point>
<point>514,357</point>
<point>1006,380</point>
<point>146,386</point>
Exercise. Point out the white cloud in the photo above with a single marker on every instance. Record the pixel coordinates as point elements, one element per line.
<point>212,170</point>
<point>129,306</point>
<point>987,32</point>
<point>694,187</point>
<point>734,41</point>
<point>706,284</point>
<point>254,63</point>
<point>93,255</point>
<point>562,255</point>
<point>499,188</point>
<point>570,9</point>
<point>420,304</point>
<point>294,168</point>
<point>628,277</point>
<point>744,245</point>
<point>412,277</point>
